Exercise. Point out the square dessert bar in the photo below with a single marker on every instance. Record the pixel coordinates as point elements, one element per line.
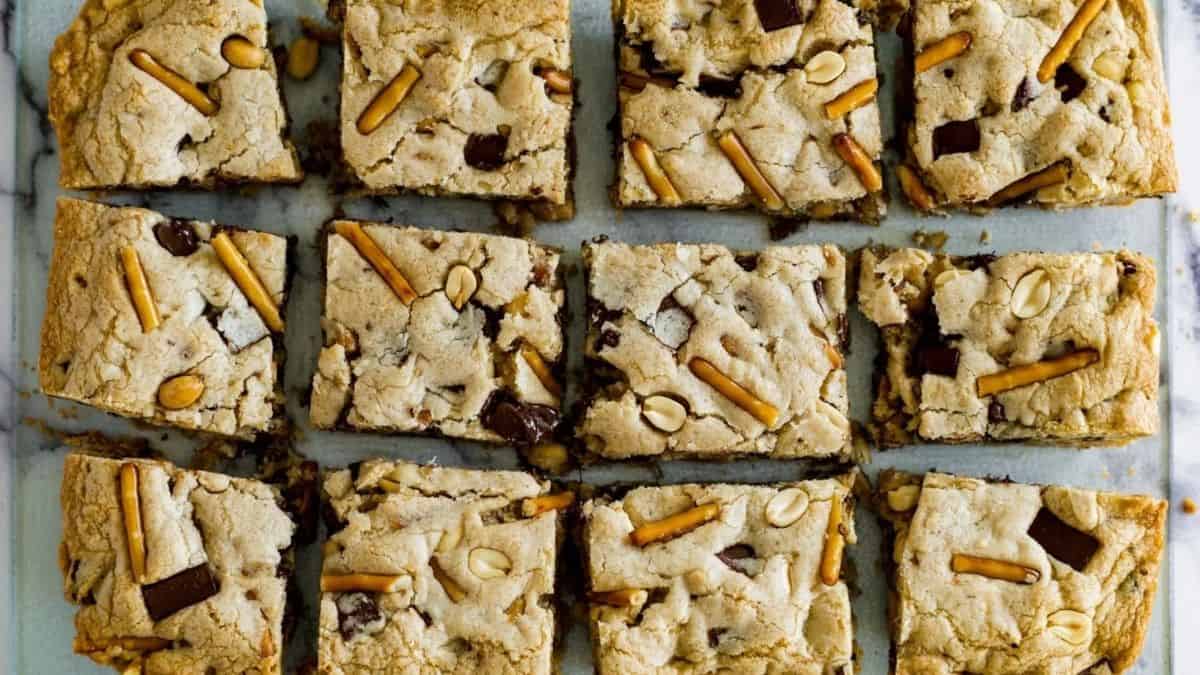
<point>145,94</point>
<point>449,98</point>
<point>1042,347</point>
<point>767,104</point>
<point>999,578</point>
<point>721,578</point>
<point>174,322</point>
<point>453,333</point>
<point>436,570</point>
<point>174,571</point>
<point>1056,103</point>
<point>700,351</point>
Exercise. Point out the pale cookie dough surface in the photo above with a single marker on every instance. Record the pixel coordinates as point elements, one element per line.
<point>190,518</point>
<point>1080,616</point>
<point>773,322</point>
<point>1106,114</point>
<point>429,367</point>
<point>394,518</point>
<point>738,594</point>
<point>94,350</point>
<point>930,304</point>
<point>479,79</point>
<point>120,127</point>
<point>717,70</point>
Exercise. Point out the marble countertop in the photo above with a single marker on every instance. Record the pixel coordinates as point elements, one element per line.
<point>28,188</point>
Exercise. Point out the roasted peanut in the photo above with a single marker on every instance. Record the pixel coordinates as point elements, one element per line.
<point>367,248</point>
<point>994,569</point>
<point>1070,37</point>
<point>853,154</point>
<point>942,50</point>
<point>174,81</point>
<point>732,146</point>
<point>139,290</point>
<point>664,413</point>
<point>835,543</point>
<point>460,285</point>
<point>825,67</point>
<point>242,53</point>
<point>786,507</point>
<point>488,563</point>
<point>643,154</point>
<point>536,506</point>
<point>1074,628</point>
<point>761,410</point>
<point>238,268</point>
<point>303,57</point>
<point>1031,295</point>
<point>1041,371</point>
<point>131,510</point>
<point>914,189</point>
<point>853,98</point>
<point>1051,175</point>
<point>541,370</point>
<point>180,392</point>
<point>369,583</point>
<point>676,525</point>
<point>388,100</point>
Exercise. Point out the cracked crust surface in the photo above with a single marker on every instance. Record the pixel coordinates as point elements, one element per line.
<point>190,518</point>
<point>1105,113</point>
<point>1091,619</point>
<point>395,518</point>
<point>773,322</point>
<point>717,70</point>
<point>120,127</point>
<point>94,351</point>
<point>428,366</point>
<point>929,305</point>
<point>737,594</point>
<point>479,65</point>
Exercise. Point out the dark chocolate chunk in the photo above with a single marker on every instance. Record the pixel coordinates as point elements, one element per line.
<point>609,338</point>
<point>1062,541</point>
<point>486,151</point>
<point>747,261</point>
<point>937,360</point>
<point>178,237</point>
<point>716,87</point>
<point>735,555</point>
<point>996,412</point>
<point>1069,83</point>
<point>777,14</point>
<point>357,613</point>
<point>491,321</point>
<point>519,423</point>
<point>980,260</point>
<point>179,591</point>
<point>955,137</point>
<point>1023,95</point>
<point>714,636</point>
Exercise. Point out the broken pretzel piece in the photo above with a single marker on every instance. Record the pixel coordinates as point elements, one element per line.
<point>240,52</point>
<point>237,266</point>
<point>1041,371</point>
<point>1051,175</point>
<point>455,592</point>
<point>994,569</point>
<point>139,290</point>
<point>1070,37</point>
<point>558,81</point>
<point>541,370</point>
<point>369,583</point>
<point>853,98</point>
<point>643,154</point>
<point>761,410</point>
<point>835,543</point>
<point>942,50</point>
<point>367,248</point>
<point>676,525</point>
<point>536,506</point>
<point>174,81</point>
<point>853,154</point>
<point>388,100</point>
<point>918,195</point>
<point>624,597</point>
<point>131,511</point>
<point>733,148</point>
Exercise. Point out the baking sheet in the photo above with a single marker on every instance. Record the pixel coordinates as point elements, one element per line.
<point>37,621</point>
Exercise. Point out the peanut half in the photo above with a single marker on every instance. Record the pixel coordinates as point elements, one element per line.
<point>942,50</point>
<point>643,154</point>
<point>835,543</point>
<point>786,507</point>
<point>131,511</point>
<point>388,100</point>
<point>367,248</point>
<point>761,410</point>
<point>237,266</point>
<point>1070,37</point>
<point>559,81</point>
<point>994,569</point>
<point>853,154</point>
<point>180,392</point>
<point>370,583</point>
<point>139,290</point>
<point>732,146</point>
<point>488,563</point>
<point>453,590</point>
<point>1074,628</point>
<point>536,506</point>
<point>1051,175</point>
<point>825,67</point>
<point>853,98</point>
<point>240,52</point>
<point>918,195</point>
<point>174,81</point>
<point>664,413</point>
<point>624,597</point>
<point>676,525</point>
<point>1031,295</point>
<point>1041,371</point>
<point>461,285</point>
<point>539,368</point>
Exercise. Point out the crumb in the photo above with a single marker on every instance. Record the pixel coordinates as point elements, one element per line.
<point>985,237</point>
<point>518,218</point>
<point>1188,506</point>
<point>935,240</point>
<point>782,228</point>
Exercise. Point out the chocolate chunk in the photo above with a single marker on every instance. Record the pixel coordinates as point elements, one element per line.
<point>358,613</point>
<point>747,261</point>
<point>649,62</point>
<point>1069,83</point>
<point>956,137</point>
<point>609,338</point>
<point>1062,541</point>
<point>980,260</point>
<point>996,412</point>
<point>735,555</point>
<point>519,423</point>
<point>776,14</point>
<point>716,87</point>
<point>485,151</point>
<point>1023,95</point>
<point>178,237</point>
<point>937,360</point>
<point>179,591</point>
<point>491,321</point>
<point>714,636</point>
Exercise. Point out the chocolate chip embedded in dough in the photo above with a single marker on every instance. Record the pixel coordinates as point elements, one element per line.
<point>1023,95</point>
<point>609,338</point>
<point>358,614</point>
<point>996,412</point>
<point>178,237</point>
<point>736,557</point>
<point>956,137</point>
<point>937,360</point>
<point>179,591</point>
<point>519,423</point>
<point>1069,83</point>
<point>1062,541</point>
<point>717,87</point>
<point>777,14</point>
<point>747,261</point>
<point>485,151</point>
